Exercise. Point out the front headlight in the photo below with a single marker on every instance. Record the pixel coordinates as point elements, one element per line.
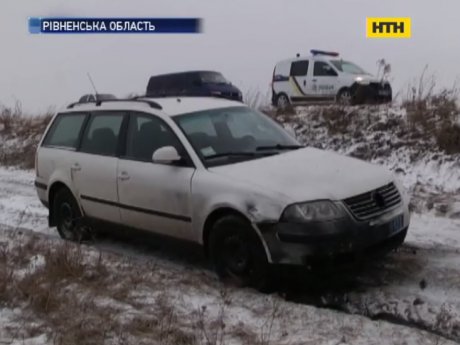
<point>313,211</point>
<point>361,80</point>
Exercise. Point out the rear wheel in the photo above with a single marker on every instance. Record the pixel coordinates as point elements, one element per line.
<point>238,254</point>
<point>68,217</point>
<point>282,101</point>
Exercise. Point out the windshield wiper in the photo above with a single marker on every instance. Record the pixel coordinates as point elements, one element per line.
<point>239,154</point>
<point>231,154</point>
<point>279,147</point>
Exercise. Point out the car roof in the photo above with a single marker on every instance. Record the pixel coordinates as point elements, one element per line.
<point>182,73</point>
<point>171,106</point>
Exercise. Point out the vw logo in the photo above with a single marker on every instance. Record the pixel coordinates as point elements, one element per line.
<point>378,198</point>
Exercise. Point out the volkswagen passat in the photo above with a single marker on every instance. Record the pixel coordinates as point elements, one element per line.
<point>217,173</point>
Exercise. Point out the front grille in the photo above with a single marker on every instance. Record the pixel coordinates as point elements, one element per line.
<point>374,203</point>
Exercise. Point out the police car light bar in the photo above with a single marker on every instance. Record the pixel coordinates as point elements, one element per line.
<point>321,52</point>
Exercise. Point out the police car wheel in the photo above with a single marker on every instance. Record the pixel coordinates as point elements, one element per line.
<point>282,102</point>
<point>344,97</point>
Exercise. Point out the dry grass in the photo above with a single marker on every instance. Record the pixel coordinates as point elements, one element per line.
<point>24,131</point>
<point>337,118</point>
<point>9,116</point>
<point>78,296</point>
<point>434,114</point>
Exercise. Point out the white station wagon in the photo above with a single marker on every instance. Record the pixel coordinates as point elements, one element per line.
<point>217,173</point>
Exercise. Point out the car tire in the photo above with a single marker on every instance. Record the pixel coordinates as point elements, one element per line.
<point>282,101</point>
<point>344,97</point>
<point>68,217</point>
<point>238,255</point>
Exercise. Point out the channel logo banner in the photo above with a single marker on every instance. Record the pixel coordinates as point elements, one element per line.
<point>399,27</point>
<point>38,25</point>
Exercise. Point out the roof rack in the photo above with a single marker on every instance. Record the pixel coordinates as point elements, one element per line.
<point>152,104</point>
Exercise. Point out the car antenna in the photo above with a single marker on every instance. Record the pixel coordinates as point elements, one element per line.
<point>94,86</point>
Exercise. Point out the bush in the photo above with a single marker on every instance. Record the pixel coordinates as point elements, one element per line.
<point>8,116</point>
<point>20,135</point>
<point>448,138</point>
<point>434,114</point>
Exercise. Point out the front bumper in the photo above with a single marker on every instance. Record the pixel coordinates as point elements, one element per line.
<point>301,244</point>
<point>372,93</point>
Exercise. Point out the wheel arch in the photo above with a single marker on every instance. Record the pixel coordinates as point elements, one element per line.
<point>281,93</point>
<point>213,217</point>
<point>220,212</point>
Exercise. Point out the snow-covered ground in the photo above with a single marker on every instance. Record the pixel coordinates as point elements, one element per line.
<point>386,290</point>
<point>117,292</point>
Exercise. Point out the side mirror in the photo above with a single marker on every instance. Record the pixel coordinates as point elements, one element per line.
<point>166,155</point>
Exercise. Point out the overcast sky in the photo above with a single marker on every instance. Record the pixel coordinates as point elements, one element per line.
<point>241,38</point>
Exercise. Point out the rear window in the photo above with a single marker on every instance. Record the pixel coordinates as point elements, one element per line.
<point>65,131</point>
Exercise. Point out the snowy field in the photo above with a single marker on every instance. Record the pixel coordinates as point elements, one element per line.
<point>387,302</point>
<point>116,292</point>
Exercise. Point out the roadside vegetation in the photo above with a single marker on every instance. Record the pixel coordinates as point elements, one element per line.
<point>19,135</point>
<point>428,114</point>
<point>424,117</point>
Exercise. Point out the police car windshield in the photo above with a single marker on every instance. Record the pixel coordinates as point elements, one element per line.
<point>213,78</point>
<point>348,67</point>
<point>227,135</point>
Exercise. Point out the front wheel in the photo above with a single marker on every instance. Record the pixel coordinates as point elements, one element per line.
<point>238,254</point>
<point>344,97</point>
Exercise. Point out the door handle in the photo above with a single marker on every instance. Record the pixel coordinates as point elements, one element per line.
<point>75,167</point>
<point>314,80</point>
<point>123,176</point>
<point>304,83</point>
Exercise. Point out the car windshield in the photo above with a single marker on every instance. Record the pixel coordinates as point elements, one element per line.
<point>348,67</point>
<point>213,78</point>
<point>228,135</point>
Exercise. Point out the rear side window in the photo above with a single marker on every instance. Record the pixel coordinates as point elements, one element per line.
<point>102,134</point>
<point>65,131</point>
<point>299,68</point>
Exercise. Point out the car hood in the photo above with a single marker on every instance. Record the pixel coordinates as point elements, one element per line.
<point>308,174</point>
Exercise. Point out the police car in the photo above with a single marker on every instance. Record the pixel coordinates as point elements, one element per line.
<point>322,77</point>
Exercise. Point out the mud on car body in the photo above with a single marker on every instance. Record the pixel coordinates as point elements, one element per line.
<point>324,77</point>
<point>216,173</point>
